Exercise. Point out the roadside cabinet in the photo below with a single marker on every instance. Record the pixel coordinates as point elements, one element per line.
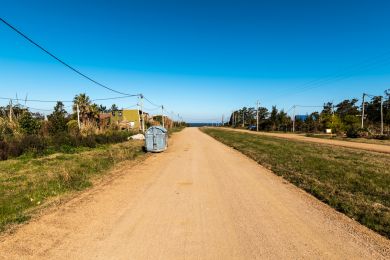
<point>156,139</point>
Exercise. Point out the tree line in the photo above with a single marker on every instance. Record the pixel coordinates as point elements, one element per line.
<point>22,130</point>
<point>342,118</point>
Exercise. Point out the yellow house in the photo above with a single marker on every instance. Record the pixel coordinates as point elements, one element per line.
<point>128,118</point>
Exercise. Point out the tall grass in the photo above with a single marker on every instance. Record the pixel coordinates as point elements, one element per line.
<point>61,142</point>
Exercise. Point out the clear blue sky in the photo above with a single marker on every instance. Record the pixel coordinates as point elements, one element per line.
<point>199,58</point>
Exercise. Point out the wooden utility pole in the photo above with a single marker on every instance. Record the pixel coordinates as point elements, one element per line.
<point>381,115</point>
<point>10,110</point>
<point>294,119</point>
<point>162,116</point>
<point>257,117</point>
<point>243,119</point>
<point>142,114</point>
<point>78,116</point>
<point>139,116</point>
<point>363,110</point>
<point>178,120</point>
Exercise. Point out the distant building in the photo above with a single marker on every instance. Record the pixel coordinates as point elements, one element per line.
<point>131,119</point>
<point>104,120</point>
<point>301,117</point>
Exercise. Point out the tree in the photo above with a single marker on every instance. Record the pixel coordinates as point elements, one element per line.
<point>113,108</point>
<point>273,118</point>
<point>84,103</point>
<point>283,120</point>
<point>373,110</point>
<point>312,122</point>
<point>347,107</point>
<point>263,115</point>
<point>328,108</point>
<point>58,119</point>
<point>94,112</point>
<point>326,116</point>
<point>351,125</point>
<point>103,109</point>
<point>29,124</point>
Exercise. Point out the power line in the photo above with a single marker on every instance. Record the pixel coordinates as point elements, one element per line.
<point>73,69</point>
<point>66,101</point>
<point>339,76</point>
<point>150,102</point>
<point>59,60</point>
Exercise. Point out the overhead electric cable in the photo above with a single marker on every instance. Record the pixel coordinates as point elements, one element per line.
<point>67,101</point>
<point>338,76</point>
<point>59,60</point>
<point>150,102</point>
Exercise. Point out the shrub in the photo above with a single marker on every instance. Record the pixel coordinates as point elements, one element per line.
<point>29,124</point>
<point>3,150</point>
<point>59,142</point>
<point>352,132</point>
<point>33,143</point>
<point>73,127</point>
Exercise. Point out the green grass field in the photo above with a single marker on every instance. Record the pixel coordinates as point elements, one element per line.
<point>356,140</point>
<point>27,182</point>
<point>352,181</point>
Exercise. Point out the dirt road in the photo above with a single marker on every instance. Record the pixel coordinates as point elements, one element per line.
<point>364,146</point>
<point>198,200</point>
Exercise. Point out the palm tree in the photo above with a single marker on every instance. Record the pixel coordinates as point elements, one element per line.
<point>84,103</point>
<point>94,111</point>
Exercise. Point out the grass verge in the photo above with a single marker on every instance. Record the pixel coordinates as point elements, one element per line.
<point>175,129</point>
<point>356,140</point>
<point>26,182</point>
<point>355,182</point>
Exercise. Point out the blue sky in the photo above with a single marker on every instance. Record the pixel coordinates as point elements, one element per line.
<point>199,58</point>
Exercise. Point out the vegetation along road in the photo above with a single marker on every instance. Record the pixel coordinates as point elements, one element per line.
<point>198,200</point>
<point>383,148</point>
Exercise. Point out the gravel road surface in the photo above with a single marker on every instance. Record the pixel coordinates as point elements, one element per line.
<point>198,200</point>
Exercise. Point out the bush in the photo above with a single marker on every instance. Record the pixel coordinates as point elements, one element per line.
<point>29,124</point>
<point>3,150</point>
<point>60,142</point>
<point>352,132</point>
<point>73,127</point>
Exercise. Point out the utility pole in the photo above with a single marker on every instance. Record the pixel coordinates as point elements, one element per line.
<point>243,119</point>
<point>142,113</point>
<point>381,115</point>
<point>178,119</point>
<point>363,110</point>
<point>257,117</point>
<point>162,116</point>
<point>222,120</point>
<point>139,117</point>
<point>78,116</point>
<point>10,110</point>
<point>294,119</point>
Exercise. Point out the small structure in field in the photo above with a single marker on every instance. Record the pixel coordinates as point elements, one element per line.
<point>156,139</point>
